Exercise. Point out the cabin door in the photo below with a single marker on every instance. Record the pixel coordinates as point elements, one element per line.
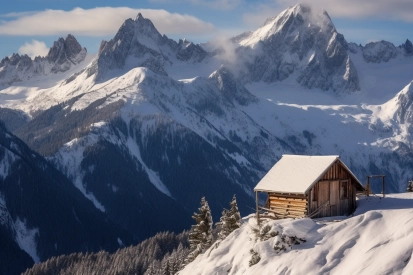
<point>324,196</point>
<point>334,197</point>
<point>344,197</point>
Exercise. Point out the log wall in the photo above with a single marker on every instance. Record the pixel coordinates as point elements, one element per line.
<point>288,206</point>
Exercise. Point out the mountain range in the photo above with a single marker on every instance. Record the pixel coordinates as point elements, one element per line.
<point>142,131</point>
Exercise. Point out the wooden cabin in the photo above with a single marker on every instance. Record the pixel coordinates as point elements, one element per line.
<point>309,186</point>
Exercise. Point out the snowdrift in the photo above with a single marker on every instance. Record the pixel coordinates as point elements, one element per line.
<point>375,240</point>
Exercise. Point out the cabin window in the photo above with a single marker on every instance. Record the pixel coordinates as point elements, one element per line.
<point>344,190</point>
<point>315,192</point>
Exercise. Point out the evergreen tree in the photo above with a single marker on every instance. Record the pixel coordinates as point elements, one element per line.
<point>166,268</point>
<point>230,219</point>
<point>200,236</point>
<point>152,270</point>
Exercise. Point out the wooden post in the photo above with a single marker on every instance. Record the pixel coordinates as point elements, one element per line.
<point>368,186</point>
<point>256,204</point>
<point>383,186</point>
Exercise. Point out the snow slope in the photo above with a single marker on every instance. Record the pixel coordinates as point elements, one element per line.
<point>375,240</point>
<point>182,122</point>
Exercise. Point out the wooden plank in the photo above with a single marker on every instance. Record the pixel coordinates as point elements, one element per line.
<point>334,210</point>
<point>292,210</point>
<point>334,192</point>
<point>344,204</point>
<point>288,206</point>
<point>286,198</point>
<point>275,201</point>
<point>313,205</point>
<point>258,212</point>
<point>324,194</point>
<point>288,209</point>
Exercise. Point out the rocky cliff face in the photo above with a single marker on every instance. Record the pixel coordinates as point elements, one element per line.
<point>141,146</point>
<point>404,112</point>
<point>63,55</point>
<point>299,41</point>
<point>408,47</point>
<point>377,52</point>
<point>139,44</point>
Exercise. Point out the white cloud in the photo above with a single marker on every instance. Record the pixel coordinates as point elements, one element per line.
<point>213,4</point>
<point>353,9</point>
<point>34,48</point>
<point>383,9</point>
<point>97,22</point>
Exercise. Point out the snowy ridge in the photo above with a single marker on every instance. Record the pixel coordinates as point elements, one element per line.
<point>139,44</point>
<point>63,55</point>
<point>153,176</point>
<point>26,238</point>
<point>6,162</point>
<point>284,22</point>
<point>153,119</point>
<point>382,51</point>
<point>338,245</point>
<point>301,43</point>
<point>68,160</point>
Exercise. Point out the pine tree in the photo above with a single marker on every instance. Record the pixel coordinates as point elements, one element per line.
<point>200,236</point>
<point>166,267</point>
<point>230,220</point>
<point>151,270</point>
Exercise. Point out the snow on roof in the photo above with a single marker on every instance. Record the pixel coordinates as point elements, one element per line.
<point>296,173</point>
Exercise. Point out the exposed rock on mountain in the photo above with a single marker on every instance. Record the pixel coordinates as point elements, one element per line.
<point>408,47</point>
<point>42,212</point>
<point>139,44</point>
<point>188,51</point>
<point>377,52</point>
<point>299,40</point>
<point>231,89</point>
<point>140,145</point>
<point>63,55</point>
<point>353,47</point>
<point>404,113</point>
<point>119,164</point>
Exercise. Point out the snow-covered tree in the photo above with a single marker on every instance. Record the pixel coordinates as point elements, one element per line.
<point>230,220</point>
<point>200,236</point>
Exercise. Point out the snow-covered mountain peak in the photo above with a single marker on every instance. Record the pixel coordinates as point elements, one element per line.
<point>63,55</point>
<point>64,52</point>
<point>408,47</point>
<point>398,110</point>
<point>291,22</point>
<point>139,44</point>
<point>404,99</point>
<point>381,51</point>
<point>301,41</point>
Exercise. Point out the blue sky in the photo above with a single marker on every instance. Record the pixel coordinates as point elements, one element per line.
<point>31,26</point>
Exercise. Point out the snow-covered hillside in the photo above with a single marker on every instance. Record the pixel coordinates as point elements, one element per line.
<point>42,214</point>
<point>375,240</point>
<point>153,120</point>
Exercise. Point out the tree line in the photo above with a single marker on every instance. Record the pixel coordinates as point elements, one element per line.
<point>163,254</point>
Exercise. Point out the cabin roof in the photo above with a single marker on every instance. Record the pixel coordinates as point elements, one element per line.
<point>296,174</point>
